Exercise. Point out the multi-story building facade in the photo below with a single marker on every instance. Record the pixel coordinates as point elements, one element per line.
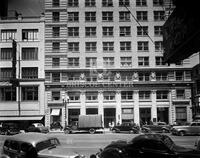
<point>105,57</point>
<point>25,102</point>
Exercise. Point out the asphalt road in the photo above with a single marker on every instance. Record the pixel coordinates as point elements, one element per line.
<point>88,144</point>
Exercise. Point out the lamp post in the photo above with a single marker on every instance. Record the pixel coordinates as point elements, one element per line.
<point>65,101</point>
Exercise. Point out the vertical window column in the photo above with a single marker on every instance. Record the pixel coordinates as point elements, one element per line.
<point>82,99</point>
<point>118,107</point>
<point>154,106</point>
<point>100,103</point>
<point>136,107</point>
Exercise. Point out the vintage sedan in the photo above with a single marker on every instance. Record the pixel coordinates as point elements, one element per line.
<point>147,145</point>
<point>192,129</point>
<point>37,127</point>
<point>125,127</point>
<point>36,145</point>
<point>159,127</point>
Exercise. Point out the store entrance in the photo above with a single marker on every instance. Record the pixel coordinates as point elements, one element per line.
<point>109,116</point>
<point>145,116</point>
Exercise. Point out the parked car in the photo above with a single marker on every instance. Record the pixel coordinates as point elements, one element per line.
<point>9,128</point>
<point>33,145</point>
<point>37,127</point>
<point>56,125</point>
<point>159,127</point>
<point>153,145</point>
<point>125,127</point>
<point>192,129</point>
<point>197,144</point>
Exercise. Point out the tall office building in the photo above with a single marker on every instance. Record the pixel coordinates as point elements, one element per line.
<point>106,57</point>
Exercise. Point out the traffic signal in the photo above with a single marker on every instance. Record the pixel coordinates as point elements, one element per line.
<point>14,58</point>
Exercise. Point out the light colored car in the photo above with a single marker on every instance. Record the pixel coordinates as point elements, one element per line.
<point>36,145</point>
<point>192,129</point>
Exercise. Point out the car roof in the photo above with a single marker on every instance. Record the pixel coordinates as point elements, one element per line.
<point>31,137</point>
<point>149,136</point>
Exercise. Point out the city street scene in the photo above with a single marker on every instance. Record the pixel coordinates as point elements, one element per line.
<point>99,79</point>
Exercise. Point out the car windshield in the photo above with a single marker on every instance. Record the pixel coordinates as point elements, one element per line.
<point>168,142</point>
<point>47,144</point>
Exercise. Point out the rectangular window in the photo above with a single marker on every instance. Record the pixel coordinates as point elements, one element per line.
<point>144,95</point>
<point>91,96</point>
<point>29,34</point>
<point>74,96</point>
<point>73,62</point>
<point>125,31</point>
<point>123,3</point>
<point>90,16</point>
<point>64,76</point>
<point>55,77</point>
<point>180,94</point>
<point>72,3</point>
<point>91,62</point>
<point>126,77</point>
<point>107,3</point>
<point>56,31</point>
<point>73,16</point>
<point>124,16</point>
<point>29,72</point>
<point>181,114</point>
<point>55,95</point>
<point>158,30</point>
<point>90,3</point>
<point>73,31</point>
<point>160,61</point>
<point>56,45</point>
<point>143,45</point>
<point>56,16</point>
<point>5,74</point>
<point>30,93</point>
<point>144,76</point>
<point>157,3</point>
<point>179,76</point>
<point>127,111</point>
<point>90,46</point>
<point>7,35</point>
<point>73,46</point>
<point>91,77</point>
<point>161,94</point>
<point>30,53</point>
<point>47,76</point>
<point>108,46</point>
<point>73,77</point>
<point>127,95</point>
<point>141,3</point>
<point>107,31</point>
<point>159,15</point>
<point>90,31</point>
<point>7,94</point>
<point>6,54</point>
<point>158,45</point>
<point>142,30</point>
<point>161,76</point>
<point>126,61</point>
<point>108,62</point>
<point>107,16</point>
<point>141,15</point>
<point>143,61</point>
<point>125,46</point>
<point>55,62</point>
<point>109,95</point>
<point>55,3</point>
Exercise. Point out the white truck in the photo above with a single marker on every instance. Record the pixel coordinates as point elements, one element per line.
<point>86,123</point>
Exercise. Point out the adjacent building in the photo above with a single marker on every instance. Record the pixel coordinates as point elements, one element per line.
<point>106,57</point>
<point>25,102</point>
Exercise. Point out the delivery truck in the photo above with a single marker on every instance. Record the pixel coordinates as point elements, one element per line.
<point>86,123</point>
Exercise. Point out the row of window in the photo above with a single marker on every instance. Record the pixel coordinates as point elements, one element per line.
<point>29,93</point>
<point>108,16</point>
<point>125,95</point>
<point>109,76</point>
<point>108,3</point>
<point>27,34</point>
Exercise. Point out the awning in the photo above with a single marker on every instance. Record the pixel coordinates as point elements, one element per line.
<point>20,118</point>
<point>55,112</point>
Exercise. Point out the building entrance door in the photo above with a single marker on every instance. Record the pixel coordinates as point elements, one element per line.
<point>109,116</point>
<point>163,114</point>
<point>145,116</point>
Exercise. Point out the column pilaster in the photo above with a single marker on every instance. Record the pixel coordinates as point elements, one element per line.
<point>136,107</point>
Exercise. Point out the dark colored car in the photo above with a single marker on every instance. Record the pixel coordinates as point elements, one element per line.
<point>56,125</point>
<point>9,128</point>
<point>159,127</point>
<point>147,145</point>
<point>125,127</point>
<point>37,127</point>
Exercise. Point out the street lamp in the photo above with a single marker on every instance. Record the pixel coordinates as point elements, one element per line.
<point>65,101</point>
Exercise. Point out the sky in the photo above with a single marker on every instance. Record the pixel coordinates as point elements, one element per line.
<point>27,7</point>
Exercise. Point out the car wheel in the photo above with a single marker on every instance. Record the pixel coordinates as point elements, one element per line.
<point>114,131</point>
<point>181,133</point>
<point>67,131</point>
<point>131,131</point>
<point>92,131</point>
<point>164,131</point>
